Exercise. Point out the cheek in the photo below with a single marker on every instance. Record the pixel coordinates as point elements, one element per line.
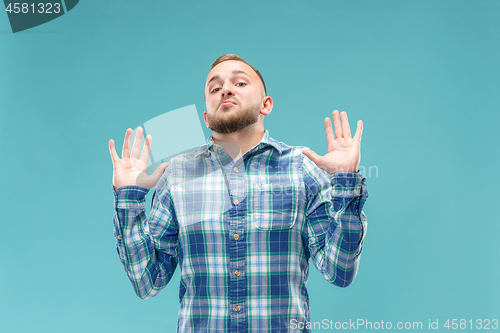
<point>251,98</point>
<point>257,100</point>
<point>211,103</point>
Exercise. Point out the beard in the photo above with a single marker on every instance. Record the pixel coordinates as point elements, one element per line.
<point>234,122</point>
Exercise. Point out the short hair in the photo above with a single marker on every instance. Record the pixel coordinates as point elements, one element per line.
<point>227,57</point>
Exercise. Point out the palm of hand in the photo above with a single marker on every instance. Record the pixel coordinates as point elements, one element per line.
<point>130,169</point>
<point>343,151</point>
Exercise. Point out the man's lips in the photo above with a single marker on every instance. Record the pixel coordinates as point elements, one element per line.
<point>228,103</point>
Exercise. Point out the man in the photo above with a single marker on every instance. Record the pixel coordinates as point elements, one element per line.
<point>242,214</point>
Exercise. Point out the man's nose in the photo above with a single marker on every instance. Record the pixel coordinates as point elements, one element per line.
<point>227,90</point>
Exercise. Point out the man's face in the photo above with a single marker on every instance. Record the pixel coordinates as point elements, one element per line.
<point>234,97</point>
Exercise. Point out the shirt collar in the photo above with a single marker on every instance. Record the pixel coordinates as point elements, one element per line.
<point>264,142</point>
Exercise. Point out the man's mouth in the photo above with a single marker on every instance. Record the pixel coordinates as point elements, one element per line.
<point>228,102</point>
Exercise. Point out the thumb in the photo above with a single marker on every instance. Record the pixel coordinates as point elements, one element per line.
<point>159,171</point>
<point>312,155</point>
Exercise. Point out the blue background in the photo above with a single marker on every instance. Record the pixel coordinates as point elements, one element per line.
<point>422,75</point>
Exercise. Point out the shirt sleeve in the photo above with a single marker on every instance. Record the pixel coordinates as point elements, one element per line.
<point>336,224</point>
<point>147,246</point>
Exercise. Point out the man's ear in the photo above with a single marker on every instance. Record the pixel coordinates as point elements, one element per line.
<point>267,106</point>
<point>206,119</point>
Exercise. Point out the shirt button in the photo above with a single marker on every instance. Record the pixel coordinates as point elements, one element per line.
<point>236,237</point>
<point>235,169</point>
<point>237,273</point>
<point>215,148</point>
<point>237,308</point>
<point>119,237</point>
<point>236,202</point>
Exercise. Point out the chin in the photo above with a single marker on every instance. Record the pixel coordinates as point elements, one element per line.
<point>230,107</point>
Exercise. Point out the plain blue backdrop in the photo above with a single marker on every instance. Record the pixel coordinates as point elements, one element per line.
<point>422,75</point>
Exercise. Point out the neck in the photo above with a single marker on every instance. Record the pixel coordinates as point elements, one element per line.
<point>238,143</point>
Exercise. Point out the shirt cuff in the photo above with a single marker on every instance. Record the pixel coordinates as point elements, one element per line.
<point>349,184</point>
<point>130,197</point>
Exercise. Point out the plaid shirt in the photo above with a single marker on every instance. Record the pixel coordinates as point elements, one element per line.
<point>242,233</point>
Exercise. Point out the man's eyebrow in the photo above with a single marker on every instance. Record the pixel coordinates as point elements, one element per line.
<point>235,72</point>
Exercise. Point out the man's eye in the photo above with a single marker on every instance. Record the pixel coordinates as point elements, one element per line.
<point>215,89</point>
<point>242,84</point>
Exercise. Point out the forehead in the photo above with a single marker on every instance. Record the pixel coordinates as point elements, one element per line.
<point>230,67</point>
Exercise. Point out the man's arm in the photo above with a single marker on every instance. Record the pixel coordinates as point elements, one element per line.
<point>147,247</point>
<point>336,193</point>
<point>336,224</point>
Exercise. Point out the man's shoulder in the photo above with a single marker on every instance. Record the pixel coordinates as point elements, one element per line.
<point>183,166</point>
<point>294,155</point>
<point>287,149</point>
<point>189,156</point>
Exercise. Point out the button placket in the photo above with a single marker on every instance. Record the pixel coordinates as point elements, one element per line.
<point>238,282</point>
<point>235,182</point>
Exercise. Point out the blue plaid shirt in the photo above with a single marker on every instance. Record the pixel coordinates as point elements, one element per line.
<point>242,233</point>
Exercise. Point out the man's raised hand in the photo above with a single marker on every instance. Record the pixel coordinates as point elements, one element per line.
<point>130,169</point>
<point>343,151</point>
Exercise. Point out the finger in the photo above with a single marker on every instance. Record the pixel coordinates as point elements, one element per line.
<point>346,129</point>
<point>337,125</point>
<point>136,149</point>
<point>359,131</point>
<point>112,151</point>
<point>329,133</point>
<point>126,144</point>
<point>146,149</point>
<point>312,156</point>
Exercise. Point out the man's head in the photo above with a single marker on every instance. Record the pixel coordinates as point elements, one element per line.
<point>235,95</point>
